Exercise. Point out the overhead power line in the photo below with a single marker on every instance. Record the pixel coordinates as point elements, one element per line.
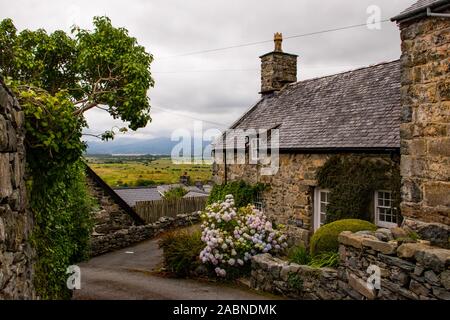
<point>183,115</point>
<point>266,41</point>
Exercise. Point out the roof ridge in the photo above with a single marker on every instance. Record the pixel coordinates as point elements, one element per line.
<point>341,73</point>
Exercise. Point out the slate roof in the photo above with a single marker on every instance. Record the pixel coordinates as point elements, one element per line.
<point>132,195</point>
<point>359,109</point>
<point>418,7</point>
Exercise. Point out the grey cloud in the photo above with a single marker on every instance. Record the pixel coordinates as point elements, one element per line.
<point>168,28</point>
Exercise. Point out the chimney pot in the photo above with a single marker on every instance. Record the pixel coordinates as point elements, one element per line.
<point>278,39</point>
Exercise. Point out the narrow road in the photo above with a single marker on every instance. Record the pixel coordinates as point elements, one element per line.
<point>129,274</point>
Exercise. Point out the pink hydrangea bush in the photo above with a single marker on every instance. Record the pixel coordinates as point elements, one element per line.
<point>232,236</point>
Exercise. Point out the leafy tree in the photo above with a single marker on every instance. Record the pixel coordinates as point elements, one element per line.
<point>56,78</point>
<point>103,68</point>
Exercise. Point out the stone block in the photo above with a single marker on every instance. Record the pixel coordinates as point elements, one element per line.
<point>443,89</point>
<point>380,246</point>
<point>361,287</point>
<point>6,188</point>
<point>439,147</point>
<point>431,278</point>
<point>445,279</point>
<point>441,293</point>
<point>418,288</point>
<point>437,194</point>
<point>433,258</point>
<point>350,239</point>
<point>394,261</point>
<point>409,250</point>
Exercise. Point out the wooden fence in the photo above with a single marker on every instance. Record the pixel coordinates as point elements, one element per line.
<point>151,211</point>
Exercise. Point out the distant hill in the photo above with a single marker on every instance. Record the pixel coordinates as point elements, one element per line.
<point>160,146</point>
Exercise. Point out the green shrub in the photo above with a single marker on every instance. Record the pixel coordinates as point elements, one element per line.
<point>299,255</point>
<point>175,193</point>
<point>144,183</point>
<point>243,193</point>
<point>326,259</point>
<point>63,224</point>
<point>326,238</point>
<point>181,251</point>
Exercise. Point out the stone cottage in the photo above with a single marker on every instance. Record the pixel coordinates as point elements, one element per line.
<point>356,112</point>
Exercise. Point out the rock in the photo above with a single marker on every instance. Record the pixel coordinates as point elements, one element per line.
<point>402,264</point>
<point>288,270</point>
<point>400,277</point>
<point>398,232</point>
<point>2,231</point>
<point>380,246</point>
<point>431,278</point>
<point>354,240</point>
<point>408,250</point>
<point>386,232</point>
<point>445,279</point>
<point>365,233</point>
<point>275,270</point>
<point>437,233</point>
<point>440,293</point>
<point>418,270</point>
<point>361,287</point>
<point>418,288</point>
<point>436,259</point>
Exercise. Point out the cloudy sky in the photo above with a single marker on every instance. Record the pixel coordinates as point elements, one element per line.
<point>218,86</point>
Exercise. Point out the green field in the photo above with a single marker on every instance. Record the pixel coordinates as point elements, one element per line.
<point>129,171</point>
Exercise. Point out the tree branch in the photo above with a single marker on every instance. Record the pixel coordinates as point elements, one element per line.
<point>85,108</point>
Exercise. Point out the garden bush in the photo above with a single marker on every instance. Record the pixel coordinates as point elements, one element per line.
<point>242,192</point>
<point>326,237</point>
<point>175,193</point>
<point>325,259</point>
<point>232,236</point>
<point>181,251</point>
<point>299,255</point>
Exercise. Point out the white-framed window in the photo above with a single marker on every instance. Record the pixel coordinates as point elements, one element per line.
<point>254,149</point>
<point>385,215</point>
<point>321,200</point>
<point>258,202</point>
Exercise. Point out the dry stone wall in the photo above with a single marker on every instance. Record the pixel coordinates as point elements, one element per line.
<point>16,222</point>
<point>295,281</point>
<point>127,236</point>
<point>411,270</point>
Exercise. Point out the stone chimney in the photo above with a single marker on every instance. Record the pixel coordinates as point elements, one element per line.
<point>277,68</point>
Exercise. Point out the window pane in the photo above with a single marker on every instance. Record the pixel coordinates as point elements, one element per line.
<point>323,207</point>
<point>323,218</point>
<point>323,197</point>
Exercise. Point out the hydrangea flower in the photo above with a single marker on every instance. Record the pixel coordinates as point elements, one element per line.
<point>233,236</point>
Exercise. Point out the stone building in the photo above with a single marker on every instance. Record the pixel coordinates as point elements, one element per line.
<point>16,222</point>
<point>355,112</point>
<point>425,103</point>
